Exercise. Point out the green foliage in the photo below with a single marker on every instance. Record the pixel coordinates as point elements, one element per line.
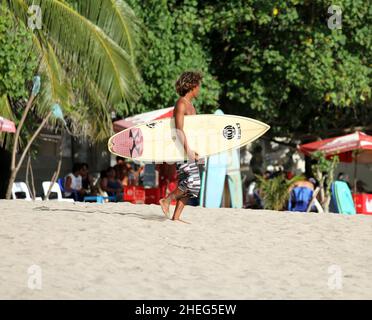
<point>275,191</point>
<point>17,60</point>
<point>172,46</point>
<point>85,59</point>
<point>276,61</point>
<point>323,171</point>
<point>323,164</point>
<point>279,62</point>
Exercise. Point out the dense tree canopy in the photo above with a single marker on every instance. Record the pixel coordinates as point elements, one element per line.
<point>17,66</point>
<point>17,60</point>
<point>278,61</point>
<point>172,45</point>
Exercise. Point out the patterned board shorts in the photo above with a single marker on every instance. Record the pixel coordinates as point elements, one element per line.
<point>188,178</point>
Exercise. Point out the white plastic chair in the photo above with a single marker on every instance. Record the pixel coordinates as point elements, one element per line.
<point>315,201</point>
<point>56,189</point>
<point>22,187</point>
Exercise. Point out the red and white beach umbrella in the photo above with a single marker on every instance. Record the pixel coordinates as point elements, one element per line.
<point>344,147</point>
<point>355,147</point>
<point>7,125</point>
<point>142,118</point>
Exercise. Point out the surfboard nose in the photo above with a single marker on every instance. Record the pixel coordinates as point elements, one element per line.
<point>128,143</point>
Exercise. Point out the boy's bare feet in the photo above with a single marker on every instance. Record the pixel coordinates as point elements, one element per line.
<point>164,203</point>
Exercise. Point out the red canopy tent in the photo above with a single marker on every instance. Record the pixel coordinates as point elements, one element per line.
<point>355,147</point>
<point>7,125</point>
<point>344,147</point>
<point>142,118</point>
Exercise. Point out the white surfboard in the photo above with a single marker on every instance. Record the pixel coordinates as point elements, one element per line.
<point>207,134</point>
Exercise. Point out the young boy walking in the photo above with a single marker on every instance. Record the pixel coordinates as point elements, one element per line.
<point>187,87</point>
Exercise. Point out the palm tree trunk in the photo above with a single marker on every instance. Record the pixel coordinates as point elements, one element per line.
<point>15,167</point>
<point>56,173</point>
<point>30,175</point>
<point>32,182</point>
<point>15,146</point>
<point>28,172</point>
<point>327,202</point>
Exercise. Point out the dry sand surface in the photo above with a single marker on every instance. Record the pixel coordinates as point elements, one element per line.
<point>125,251</point>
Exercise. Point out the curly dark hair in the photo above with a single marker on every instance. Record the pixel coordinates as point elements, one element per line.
<point>188,81</point>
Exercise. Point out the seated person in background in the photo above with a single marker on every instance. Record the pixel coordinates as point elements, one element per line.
<point>86,178</point>
<point>121,174</point>
<point>111,184</point>
<point>344,177</point>
<point>136,173</point>
<point>361,187</point>
<point>309,183</point>
<point>102,175</point>
<point>141,173</point>
<point>120,160</point>
<point>301,193</point>
<point>132,181</point>
<point>73,184</point>
<point>253,199</point>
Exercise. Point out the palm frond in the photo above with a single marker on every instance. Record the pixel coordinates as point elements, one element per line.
<point>19,8</point>
<point>90,117</point>
<point>116,19</point>
<point>87,60</point>
<point>79,40</point>
<point>55,85</point>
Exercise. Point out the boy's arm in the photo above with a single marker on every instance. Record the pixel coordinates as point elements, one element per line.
<point>179,117</point>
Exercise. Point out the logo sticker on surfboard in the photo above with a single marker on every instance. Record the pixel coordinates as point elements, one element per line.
<point>229,132</point>
<point>152,125</point>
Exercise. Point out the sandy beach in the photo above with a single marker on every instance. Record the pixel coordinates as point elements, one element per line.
<point>125,251</point>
